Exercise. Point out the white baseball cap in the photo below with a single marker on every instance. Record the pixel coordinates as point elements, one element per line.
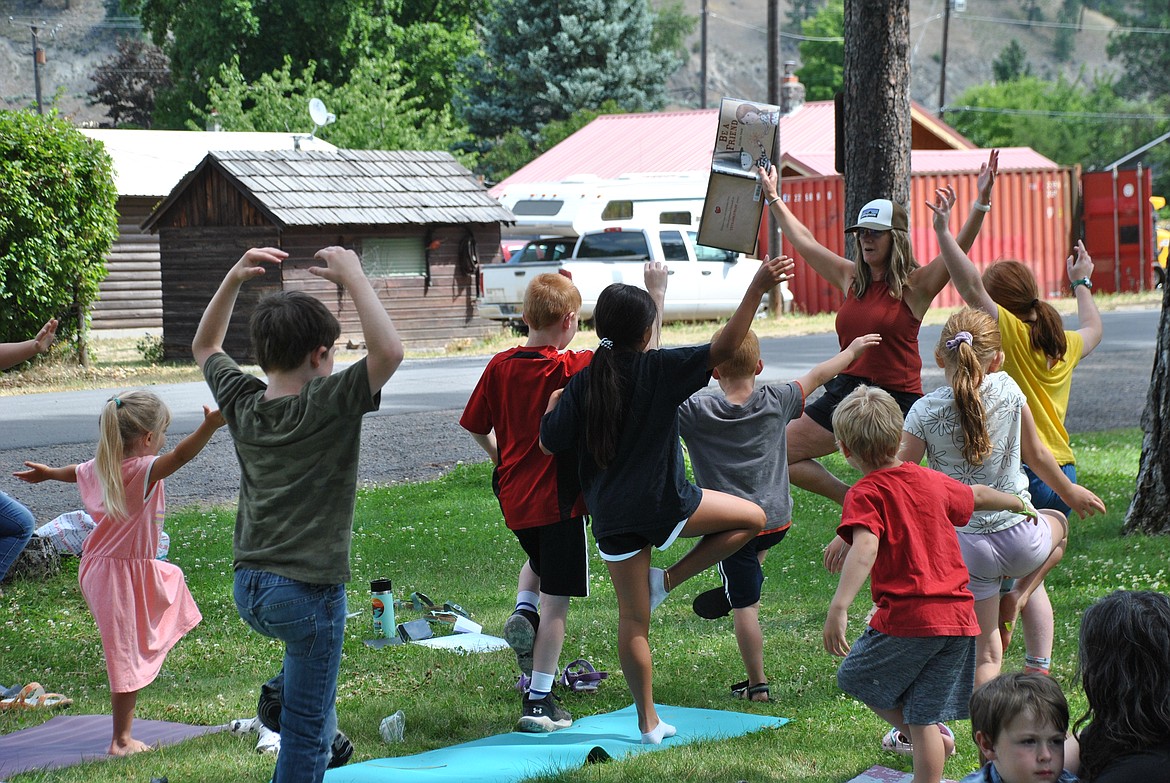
<point>881,214</point>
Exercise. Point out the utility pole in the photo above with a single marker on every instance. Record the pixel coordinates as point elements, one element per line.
<point>942,78</point>
<point>775,303</point>
<point>703,57</point>
<point>38,52</point>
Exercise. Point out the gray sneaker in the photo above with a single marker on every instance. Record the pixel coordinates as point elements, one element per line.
<point>543,715</point>
<point>520,634</point>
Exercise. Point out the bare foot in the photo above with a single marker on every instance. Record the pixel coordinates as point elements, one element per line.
<point>1009,615</point>
<point>128,747</point>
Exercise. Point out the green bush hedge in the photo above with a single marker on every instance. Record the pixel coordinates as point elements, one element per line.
<point>58,218</point>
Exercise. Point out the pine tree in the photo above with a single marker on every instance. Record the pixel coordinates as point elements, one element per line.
<point>544,60</point>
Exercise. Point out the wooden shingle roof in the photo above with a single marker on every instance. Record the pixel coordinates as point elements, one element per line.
<point>351,187</point>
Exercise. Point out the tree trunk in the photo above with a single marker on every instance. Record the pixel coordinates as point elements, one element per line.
<point>1150,510</point>
<point>877,102</point>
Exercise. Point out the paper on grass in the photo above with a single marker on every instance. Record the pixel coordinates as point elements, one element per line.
<point>465,642</point>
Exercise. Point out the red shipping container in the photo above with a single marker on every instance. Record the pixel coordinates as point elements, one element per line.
<point>1119,229</point>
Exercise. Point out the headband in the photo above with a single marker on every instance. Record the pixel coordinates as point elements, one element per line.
<point>605,343</point>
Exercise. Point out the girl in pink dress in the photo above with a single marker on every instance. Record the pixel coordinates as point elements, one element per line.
<point>142,605</point>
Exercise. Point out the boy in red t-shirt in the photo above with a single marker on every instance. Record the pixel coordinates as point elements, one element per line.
<point>915,664</point>
<point>540,495</point>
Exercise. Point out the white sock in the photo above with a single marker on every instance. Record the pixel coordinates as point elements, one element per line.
<point>657,588</point>
<point>658,733</point>
<point>526,599</point>
<point>541,686</point>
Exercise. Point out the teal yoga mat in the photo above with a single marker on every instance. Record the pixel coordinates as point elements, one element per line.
<point>506,758</point>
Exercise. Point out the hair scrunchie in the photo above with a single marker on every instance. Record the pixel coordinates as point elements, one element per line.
<point>960,337</point>
<point>605,343</point>
<point>1035,303</point>
<point>117,402</point>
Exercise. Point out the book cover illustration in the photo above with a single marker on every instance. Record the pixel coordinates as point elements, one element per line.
<point>746,139</point>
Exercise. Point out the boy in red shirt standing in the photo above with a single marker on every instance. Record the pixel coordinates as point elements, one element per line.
<point>540,495</point>
<point>915,664</point>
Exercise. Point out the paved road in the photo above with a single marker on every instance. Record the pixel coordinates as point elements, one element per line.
<point>416,435</point>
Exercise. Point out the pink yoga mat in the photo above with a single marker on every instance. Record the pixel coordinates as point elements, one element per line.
<point>71,739</point>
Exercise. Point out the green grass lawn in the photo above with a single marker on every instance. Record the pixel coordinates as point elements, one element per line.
<point>446,538</point>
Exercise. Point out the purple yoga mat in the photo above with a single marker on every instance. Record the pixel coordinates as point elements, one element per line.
<point>72,739</point>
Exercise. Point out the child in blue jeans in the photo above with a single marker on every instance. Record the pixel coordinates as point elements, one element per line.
<point>297,439</point>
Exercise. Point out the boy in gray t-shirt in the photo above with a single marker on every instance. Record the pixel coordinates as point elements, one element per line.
<point>296,439</point>
<point>737,444</point>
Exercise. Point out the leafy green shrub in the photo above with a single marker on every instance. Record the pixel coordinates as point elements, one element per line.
<point>58,217</point>
<point>152,349</point>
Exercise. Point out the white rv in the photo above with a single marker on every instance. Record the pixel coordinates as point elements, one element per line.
<point>573,206</point>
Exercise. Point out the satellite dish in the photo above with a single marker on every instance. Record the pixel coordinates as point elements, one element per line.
<point>321,116</point>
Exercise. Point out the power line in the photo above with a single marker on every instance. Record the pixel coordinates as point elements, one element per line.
<point>1087,115</point>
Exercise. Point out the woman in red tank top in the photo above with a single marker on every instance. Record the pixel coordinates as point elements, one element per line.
<point>886,291</point>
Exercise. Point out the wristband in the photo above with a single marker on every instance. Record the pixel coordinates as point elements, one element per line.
<point>1027,510</point>
<point>981,207</point>
<point>1086,282</point>
<point>768,201</point>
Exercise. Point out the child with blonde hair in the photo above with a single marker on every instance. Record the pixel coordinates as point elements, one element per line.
<point>914,665</point>
<point>141,604</point>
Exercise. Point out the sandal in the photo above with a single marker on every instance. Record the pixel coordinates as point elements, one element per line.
<point>34,697</point>
<point>742,690</point>
<point>421,602</point>
<point>580,676</point>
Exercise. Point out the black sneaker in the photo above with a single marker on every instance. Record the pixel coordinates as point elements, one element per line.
<point>712,604</point>
<point>268,707</point>
<point>342,751</point>
<point>520,634</point>
<point>543,715</point>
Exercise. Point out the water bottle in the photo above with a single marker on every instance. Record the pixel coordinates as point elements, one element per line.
<point>383,604</point>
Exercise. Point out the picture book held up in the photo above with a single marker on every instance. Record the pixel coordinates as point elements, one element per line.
<point>746,138</point>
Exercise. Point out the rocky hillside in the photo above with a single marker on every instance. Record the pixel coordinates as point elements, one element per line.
<point>77,35</point>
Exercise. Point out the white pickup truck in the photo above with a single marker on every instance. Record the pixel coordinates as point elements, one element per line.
<point>704,283</point>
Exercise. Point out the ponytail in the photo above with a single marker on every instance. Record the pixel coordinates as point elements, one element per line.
<point>623,315</point>
<point>967,346</point>
<point>1013,287</point>
<point>125,418</point>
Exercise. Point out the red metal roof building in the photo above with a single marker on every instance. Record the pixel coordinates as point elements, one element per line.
<point>1032,217</point>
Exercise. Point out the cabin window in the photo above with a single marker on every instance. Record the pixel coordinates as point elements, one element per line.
<point>618,210</point>
<point>675,218</point>
<point>534,207</point>
<point>394,257</point>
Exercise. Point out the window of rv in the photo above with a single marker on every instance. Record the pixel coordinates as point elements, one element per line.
<point>394,257</point>
<point>675,218</point>
<point>618,210</point>
<point>535,207</point>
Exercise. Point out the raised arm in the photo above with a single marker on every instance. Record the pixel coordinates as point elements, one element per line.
<point>962,271</point>
<point>858,563</point>
<point>1039,458</point>
<point>186,449</point>
<point>984,184</point>
<point>831,368</point>
<point>1080,267</point>
<point>12,354</point>
<point>655,274</point>
<point>771,273</point>
<point>836,270</point>
<point>383,346</point>
<point>214,323</point>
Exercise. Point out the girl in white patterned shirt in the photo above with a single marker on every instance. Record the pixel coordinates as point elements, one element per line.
<point>975,429</point>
